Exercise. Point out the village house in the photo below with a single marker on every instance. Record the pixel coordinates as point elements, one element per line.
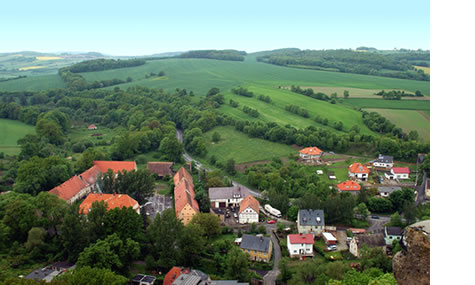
<point>310,221</point>
<point>71,190</point>
<point>51,271</point>
<point>112,201</point>
<point>370,240</point>
<point>383,161</point>
<point>391,234</point>
<point>310,153</point>
<point>385,191</point>
<point>223,197</point>
<point>186,206</point>
<point>187,276</point>
<point>358,171</point>
<point>259,248</point>
<point>349,186</point>
<point>92,127</point>
<point>249,210</point>
<point>300,245</point>
<point>398,173</point>
<point>100,167</point>
<point>161,169</point>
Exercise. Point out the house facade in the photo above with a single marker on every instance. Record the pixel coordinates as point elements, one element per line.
<point>310,221</point>
<point>249,210</point>
<point>391,234</point>
<point>223,197</point>
<point>71,190</point>
<point>384,161</point>
<point>300,245</point>
<point>370,240</point>
<point>258,248</point>
<point>357,171</point>
<point>310,153</point>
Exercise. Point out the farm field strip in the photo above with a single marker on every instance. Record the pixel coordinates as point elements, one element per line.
<point>389,104</point>
<point>408,120</point>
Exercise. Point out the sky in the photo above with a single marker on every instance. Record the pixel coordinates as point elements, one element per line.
<point>142,27</point>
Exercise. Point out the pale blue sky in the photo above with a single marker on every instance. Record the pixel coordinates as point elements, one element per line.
<point>145,27</point>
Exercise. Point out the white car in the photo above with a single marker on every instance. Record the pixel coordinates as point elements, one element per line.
<point>331,247</point>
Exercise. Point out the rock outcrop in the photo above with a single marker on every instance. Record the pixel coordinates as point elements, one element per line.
<point>412,264</point>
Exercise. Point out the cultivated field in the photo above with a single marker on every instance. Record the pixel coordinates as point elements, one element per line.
<point>241,148</point>
<point>408,120</point>
<point>10,132</point>
<point>354,92</point>
<point>405,104</point>
<point>424,68</point>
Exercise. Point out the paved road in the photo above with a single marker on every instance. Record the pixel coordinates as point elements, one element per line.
<point>188,158</point>
<point>377,225</point>
<point>271,276</point>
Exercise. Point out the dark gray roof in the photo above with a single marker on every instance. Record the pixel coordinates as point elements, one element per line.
<point>371,240</point>
<point>309,217</point>
<point>40,274</point>
<point>255,243</point>
<point>388,189</point>
<point>394,231</point>
<point>228,192</point>
<point>218,211</point>
<point>140,278</point>
<point>384,159</point>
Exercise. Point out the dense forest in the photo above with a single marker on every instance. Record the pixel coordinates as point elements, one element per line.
<point>229,54</point>
<point>394,64</point>
<point>104,64</point>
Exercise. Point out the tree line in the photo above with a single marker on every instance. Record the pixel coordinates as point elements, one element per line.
<point>104,64</point>
<point>230,54</point>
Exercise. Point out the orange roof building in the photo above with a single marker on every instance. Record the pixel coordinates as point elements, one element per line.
<point>112,200</point>
<point>310,153</point>
<point>349,186</point>
<point>185,204</point>
<point>71,190</point>
<point>115,166</point>
<point>172,275</point>
<point>249,210</point>
<point>358,171</point>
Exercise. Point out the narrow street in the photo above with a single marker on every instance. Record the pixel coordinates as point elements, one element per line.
<point>271,276</point>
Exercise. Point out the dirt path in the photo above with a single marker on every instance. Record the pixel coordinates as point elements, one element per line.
<point>424,114</point>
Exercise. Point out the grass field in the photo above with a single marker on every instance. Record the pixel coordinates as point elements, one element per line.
<point>81,133</point>
<point>275,112</point>
<point>408,120</point>
<point>241,148</point>
<point>354,92</point>
<point>11,131</point>
<point>33,83</point>
<point>389,104</point>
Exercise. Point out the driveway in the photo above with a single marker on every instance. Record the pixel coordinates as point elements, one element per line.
<point>377,225</point>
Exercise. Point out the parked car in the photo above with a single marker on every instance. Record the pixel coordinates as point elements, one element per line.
<point>375,217</point>
<point>235,215</point>
<point>271,222</point>
<point>349,238</point>
<point>331,247</point>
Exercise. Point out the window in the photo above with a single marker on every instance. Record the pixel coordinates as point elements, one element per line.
<point>295,251</point>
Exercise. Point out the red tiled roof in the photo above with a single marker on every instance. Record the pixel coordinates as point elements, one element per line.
<point>358,168</point>
<point>90,176</point>
<point>183,188</point>
<point>68,189</point>
<point>172,275</point>
<point>115,166</point>
<point>349,186</point>
<point>160,168</point>
<point>311,150</point>
<point>92,126</point>
<point>182,173</point>
<point>357,231</point>
<point>183,200</point>
<point>249,202</point>
<point>112,200</point>
<point>401,170</point>
<point>301,238</point>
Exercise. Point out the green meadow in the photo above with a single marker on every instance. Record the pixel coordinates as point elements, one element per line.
<point>33,83</point>
<point>405,104</point>
<point>241,148</point>
<point>10,132</point>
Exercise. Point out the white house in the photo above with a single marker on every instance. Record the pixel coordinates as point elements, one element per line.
<point>385,191</point>
<point>249,211</point>
<point>358,171</point>
<point>384,161</point>
<point>310,221</point>
<point>391,234</point>
<point>300,245</point>
<point>310,153</point>
<point>223,197</point>
<point>398,173</point>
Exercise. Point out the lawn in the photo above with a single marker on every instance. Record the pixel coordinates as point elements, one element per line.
<point>408,120</point>
<point>405,104</point>
<point>241,148</point>
<point>11,132</point>
<point>83,134</point>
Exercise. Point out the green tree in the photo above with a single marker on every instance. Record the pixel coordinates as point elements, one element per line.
<point>88,156</point>
<point>216,137</point>
<point>237,265</point>
<point>92,276</point>
<point>346,94</point>
<point>362,210</point>
<point>192,243</point>
<point>210,223</point>
<point>73,233</point>
<point>396,220</point>
<point>231,166</point>
<point>51,131</point>
<point>171,148</point>
<point>213,91</point>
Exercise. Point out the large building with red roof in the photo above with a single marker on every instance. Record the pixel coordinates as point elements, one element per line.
<point>71,190</point>
<point>300,245</point>
<point>358,171</point>
<point>349,186</point>
<point>185,204</point>
<point>310,153</point>
<point>112,201</point>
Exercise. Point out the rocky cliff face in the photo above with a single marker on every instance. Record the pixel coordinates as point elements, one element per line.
<point>412,264</point>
